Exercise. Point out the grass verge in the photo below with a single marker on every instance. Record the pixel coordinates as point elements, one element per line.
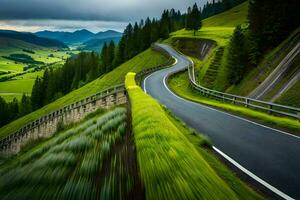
<point>170,166</point>
<point>203,146</point>
<point>180,85</point>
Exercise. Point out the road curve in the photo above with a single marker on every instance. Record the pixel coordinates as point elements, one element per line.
<point>269,156</point>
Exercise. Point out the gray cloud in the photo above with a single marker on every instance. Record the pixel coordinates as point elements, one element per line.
<point>105,10</point>
<point>62,25</point>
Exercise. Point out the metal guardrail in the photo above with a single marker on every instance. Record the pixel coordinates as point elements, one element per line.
<point>271,108</point>
<point>31,125</point>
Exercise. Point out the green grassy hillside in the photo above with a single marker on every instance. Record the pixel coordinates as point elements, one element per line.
<point>291,97</point>
<point>147,59</point>
<point>218,28</point>
<point>230,18</point>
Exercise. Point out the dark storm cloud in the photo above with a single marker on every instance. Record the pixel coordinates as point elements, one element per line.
<point>106,10</point>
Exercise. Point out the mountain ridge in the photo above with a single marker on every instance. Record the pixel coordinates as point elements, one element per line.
<point>32,38</point>
<point>78,36</point>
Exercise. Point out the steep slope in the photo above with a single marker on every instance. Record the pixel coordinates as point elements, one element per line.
<point>279,80</point>
<point>230,18</point>
<point>291,96</point>
<point>280,64</point>
<point>146,59</point>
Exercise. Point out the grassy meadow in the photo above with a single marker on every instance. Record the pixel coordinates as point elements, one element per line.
<point>93,160</point>
<point>166,156</point>
<point>147,59</point>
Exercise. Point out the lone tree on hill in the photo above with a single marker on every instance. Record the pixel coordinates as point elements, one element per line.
<point>237,56</point>
<point>193,19</point>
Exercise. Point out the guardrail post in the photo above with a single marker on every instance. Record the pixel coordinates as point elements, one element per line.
<point>298,114</point>
<point>270,107</point>
<point>247,103</point>
<point>233,100</point>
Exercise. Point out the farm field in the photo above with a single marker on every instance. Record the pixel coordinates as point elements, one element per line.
<point>21,84</point>
<point>41,54</point>
<point>16,86</point>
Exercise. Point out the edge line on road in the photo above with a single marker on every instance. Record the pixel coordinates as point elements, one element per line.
<point>253,176</point>
<point>228,158</point>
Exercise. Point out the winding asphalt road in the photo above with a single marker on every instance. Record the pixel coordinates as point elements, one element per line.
<point>269,156</point>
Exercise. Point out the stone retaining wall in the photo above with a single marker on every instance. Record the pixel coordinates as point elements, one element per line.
<point>47,125</point>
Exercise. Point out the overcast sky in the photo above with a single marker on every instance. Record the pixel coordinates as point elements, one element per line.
<point>33,15</point>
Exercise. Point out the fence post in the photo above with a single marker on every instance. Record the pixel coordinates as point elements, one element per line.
<point>233,100</point>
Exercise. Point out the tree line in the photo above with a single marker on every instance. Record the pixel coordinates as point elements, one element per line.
<point>270,22</point>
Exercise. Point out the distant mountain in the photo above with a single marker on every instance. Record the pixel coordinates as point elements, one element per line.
<point>32,39</point>
<point>108,34</point>
<point>97,44</point>
<point>79,36</point>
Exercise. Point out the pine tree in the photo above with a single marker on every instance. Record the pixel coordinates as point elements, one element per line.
<point>195,16</point>
<point>104,56</point>
<point>45,85</point>
<point>36,94</point>
<point>110,56</point>
<point>237,56</point>
<point>164,25</point>
<point>3,111</point>
<point>13,109</point>
<point>25,105</point>
<point>188,21</point>
<point>120,55</point>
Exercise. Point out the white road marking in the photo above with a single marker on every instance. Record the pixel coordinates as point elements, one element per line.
<point>235,163</point>
<point>261,181</point>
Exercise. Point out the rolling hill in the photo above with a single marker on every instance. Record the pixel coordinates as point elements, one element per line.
<point>33,39</point>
